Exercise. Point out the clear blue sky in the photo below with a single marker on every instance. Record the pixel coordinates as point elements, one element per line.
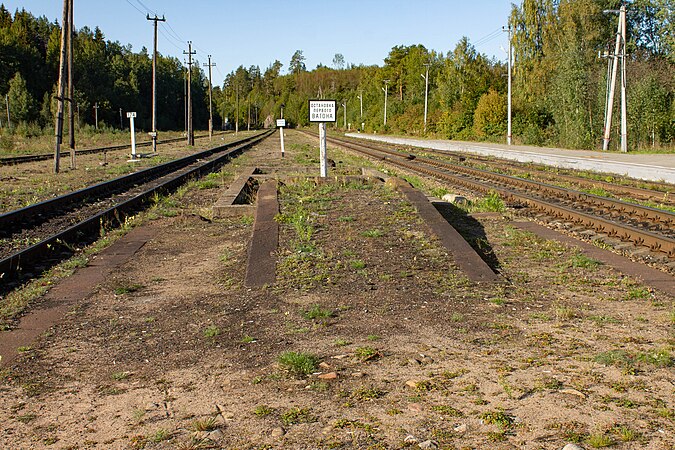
<point>249,32</point>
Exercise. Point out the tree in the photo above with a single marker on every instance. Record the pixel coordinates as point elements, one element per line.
<point>490,115</point>
<point>21,102</point>
<point>297,63</point>
<point>339,61</point>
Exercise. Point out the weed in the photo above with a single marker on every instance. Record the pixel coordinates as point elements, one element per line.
<point>297,415</point>
<point>298,363</point>
<point>657,358</point>
<point>211,331</point>
<point>346,219</point>
<point>366,353</point>
<point>448,411</point>
<point>370,393</point>
<point>120,376</point>
<point>208,424</point>
<point>354,424</point>
<point>24,349</point>
<point>207,184</point>
<point>318,312</point>
<point>357,264</point>
<point>457,317</point>
<point>263,410</point>
<point>582,261</point>
<point>341,342</point>
<point>599,440</point>
<point>127,288</point>
<point>564,313</point>
<point>499,418</point>
<point>491,203</point>
<point>626,434</point>
<point>373,337</point>
<point>619,358</point>
<point>373,233</point>
<point>26,418</point>
<point>160,435</point>
<point>247,339</point>
<point>638,293</point>
<point>138,415</point>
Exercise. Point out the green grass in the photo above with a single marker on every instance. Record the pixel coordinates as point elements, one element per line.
<point>599,440</point>
<point>207,424</point>
<point>366,353</point>
<point>247,339</point>
<point>263,410</point>
<point>318,312</point>
<point>582,261</point>
<point>357,264</point>
<point>499,418</point>
<point>297,415</point>
<point>447,410</point>
<point>211,331</point>
<point>490,203</point>
<point>298,364</point>
<point>368,393</point>
<point>123,289</point>
<point>341,342</point>
<point>372,233</point>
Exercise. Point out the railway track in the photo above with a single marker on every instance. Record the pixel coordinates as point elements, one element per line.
<point>37,236</point>
<point>640,225</point>
<point>13,160</point>
<point>657,193</point>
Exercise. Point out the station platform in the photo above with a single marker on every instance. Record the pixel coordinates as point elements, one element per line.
<point>652,167</point>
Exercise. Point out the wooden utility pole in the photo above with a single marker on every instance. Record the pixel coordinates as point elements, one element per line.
<point>209,65</point>
<point>190,131</point>
<point>154,83</point>
<point>71,88</point>
<point>58,128</point>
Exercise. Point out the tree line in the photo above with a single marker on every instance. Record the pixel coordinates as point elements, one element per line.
<point>559,82</point>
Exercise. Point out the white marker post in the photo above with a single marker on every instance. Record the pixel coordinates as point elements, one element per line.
<point>281,123</point>
<point>131,116</point>
<point>322,111</point>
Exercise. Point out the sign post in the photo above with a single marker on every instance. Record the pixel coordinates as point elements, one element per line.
<point>131,116</point>
<point>322,111</point>
<point>281,123</point>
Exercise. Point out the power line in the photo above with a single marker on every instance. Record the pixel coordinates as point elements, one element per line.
<point>135,7</point>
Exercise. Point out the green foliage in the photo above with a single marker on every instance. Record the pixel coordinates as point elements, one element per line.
<point>490,115</point>
<point>298,363</point>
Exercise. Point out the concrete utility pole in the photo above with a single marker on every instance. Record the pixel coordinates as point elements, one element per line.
<point>386,83</point>
<point>619,53</point>
<point>190,131</point>
<point>209,65</point>
<point>344,106</point>
<point>236,124</point>
<point>96,114</point>
<point>248,120</point>
<point>121,124</point>
<point>9,119</point>
<point>154,82</point>
<point>185,98</point>
<point>508,132</point>
<point>71,93</point>
<point>61,92</point>
<point>426,94</point>
<point>360,97</point>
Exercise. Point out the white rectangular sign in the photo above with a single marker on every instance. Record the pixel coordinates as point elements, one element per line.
<point>281,122</point>
<point>322,110</point>
<point>131,114</point>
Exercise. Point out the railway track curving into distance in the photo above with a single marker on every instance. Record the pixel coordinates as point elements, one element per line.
<point>35,237</point>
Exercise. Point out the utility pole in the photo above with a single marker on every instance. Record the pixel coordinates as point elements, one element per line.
<point>185,97</point>
<point>9,119</point>
<point>209,65</point>
<point>58,128</point>
<point>96,114</point>
<point>248,122</point>
<point>71,93</point>
<point>154,82</point>
<point>360,97</point>
<point>190,131</point>
<point>619,53</point>
<point>236,125</point>
<point>508,132</point>
<point>386,82</point>
<point>121,124</point>
<point>344,106</point>
<point>426,94</point>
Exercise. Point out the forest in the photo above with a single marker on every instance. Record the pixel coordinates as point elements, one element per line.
<point>559,81</point>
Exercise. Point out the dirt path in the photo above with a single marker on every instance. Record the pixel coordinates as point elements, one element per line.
<point>172,351</point>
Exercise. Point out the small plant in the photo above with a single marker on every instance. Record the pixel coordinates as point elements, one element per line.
<point>638,293</point>
<point>160,435</point>
<point>372,233</point>
<point>346,219</point>
<point>119,376</point>
<point>366,353</point>
<point>247,339</point>
<point>354,424</point>
<point>297,415</point>
<point>626,434</point>
<point>341,342</point>
<point>211,331</point>
<point>263,410</point>
<point>127,288</point>
<point>208,424</point>
<point>499,418</point>
<point>373,337</point>
<point>599,440</point>
<point>370,393</point>
<point>24,349</point>
<point>582,261</point>
<point>491,203</point>
<point>448,410</point>
<point>318,312</point>
<point>457,317</point>
<point>357,264</point>
<point>298,363</point>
